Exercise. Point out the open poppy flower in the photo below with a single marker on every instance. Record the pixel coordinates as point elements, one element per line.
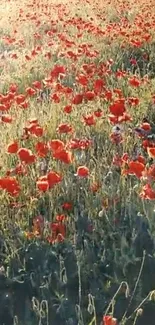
<point>134,168</point>
<point>64,156</point>
<point>64,128</point>
<point>41,149</point>
<point>43,184</point>
<point>11,185</point>
<point>82,171</point>
<point>109,320</point>
<point>12,147</point>
<point>56,145</point>
<point>118,107</point>
<point>26,155</point>
<point>147,192</point>
<point>53,178</point>
<point>151,152</point>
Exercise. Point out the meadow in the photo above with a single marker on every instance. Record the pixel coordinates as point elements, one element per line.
<point>77,162</point>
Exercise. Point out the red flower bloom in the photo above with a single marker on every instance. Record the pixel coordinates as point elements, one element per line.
<point>151,152</point>
<point>57,70</point>
<point>64,128</point>
<point>89,95</point>
<point>41,149</point>
<point>147,192</point>
<point>77,99</point>
<point>135,168</point>
<point>118,107</point>
<point>56,145</point>
<point>11,185</point>
<point>6,118</point>
<point>109,320</point>
<point>26,155</point>
<point>42,184</point>
<point>61,217</point>
<point>135,82</point>
<point>98,113</point>
<point>30,91</point>
<point>63,155</point>
<point>53,178</point>
<point>68,109</point>
<point>37,84</point>
<point>82,171</point>
<point>89,120</point>
<point>67,206</point>
<point>20,99</point>
<point>12,147</point>
<point>58,232</point>
<point>98,86</point>
<point>82,80</point>
<point>145,126</point>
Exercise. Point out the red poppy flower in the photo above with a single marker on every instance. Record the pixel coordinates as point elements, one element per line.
<point>147,192</point>
<point>12,147</point>
<point>151,152</point>
<point>135,167</point>
<point>108,95</point>
<point>67,206</point>
<point>55,97</point>
<point>20,98</point>
<point>11,185</point>
<point>89,120</point>
<point>109,320</point>
<point>125,118</point>
<point>117,160</point>
<point>98,113</point>
<point>68,109</point>
<point>35,129</point>
<point>82,171</point>
<point>63,155</point>
<point>53,178</point>
<point>82,144</point>
<point>20,169</point>
<point>135,82</point>
<point>30,91</point>
<point>58,232</point>
<point>56,145</point>
<point>133,101</point>
<point>3,107</point>
<point>82,80</point>
<point>116,137</point>
<point>150,172</point>
<point>42,184</point>
<point>118,107</point>
<point>89,95</point>
<point>26,155</point>
<point>37,84</point>
<point>64,128</point>
<point>60,217</point>
<point>6,118</point>
<point>41,149</point>
<point>57,70</point>
<point>98,86</point>
<point>24,105</point>
<point>13,88</point>
<point>145,126</point>
<point>77,99</point>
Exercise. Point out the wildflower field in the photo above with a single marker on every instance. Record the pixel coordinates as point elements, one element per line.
<point>77,162</point>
